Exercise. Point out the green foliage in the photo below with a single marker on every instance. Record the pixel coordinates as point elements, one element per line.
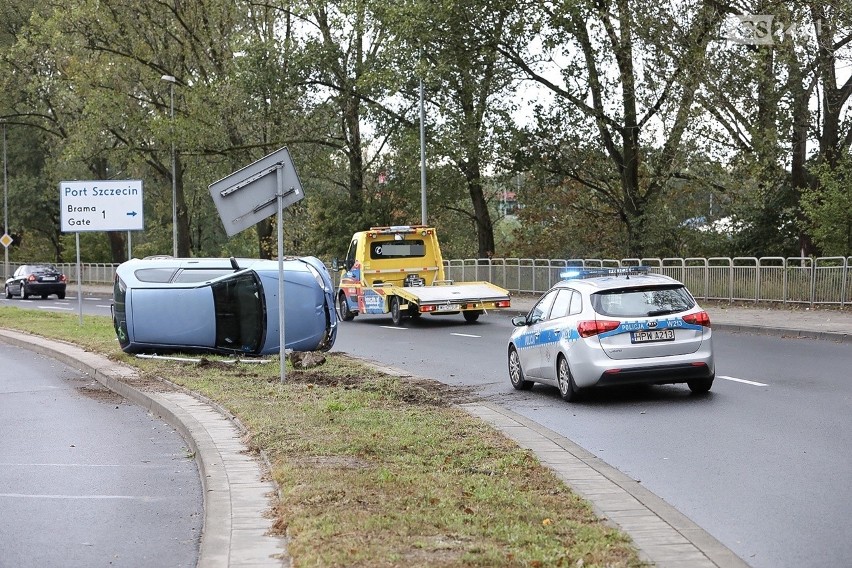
<point>829,208</point>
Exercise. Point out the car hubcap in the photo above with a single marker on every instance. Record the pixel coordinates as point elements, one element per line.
<point>564,381</point>
<point>514,367</point>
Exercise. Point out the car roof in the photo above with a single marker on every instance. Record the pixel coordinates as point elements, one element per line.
<point>614,282</point>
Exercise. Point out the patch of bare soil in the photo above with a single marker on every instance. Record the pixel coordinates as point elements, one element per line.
<point>415,391</point>
<point>96,391</point>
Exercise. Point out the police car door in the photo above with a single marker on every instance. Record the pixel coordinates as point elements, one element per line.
<point>555,333</point>
<point>531,353</point>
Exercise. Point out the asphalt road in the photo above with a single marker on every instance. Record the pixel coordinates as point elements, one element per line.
<point>86,479</point>
<point>91,304</point>
<point>762,462</point>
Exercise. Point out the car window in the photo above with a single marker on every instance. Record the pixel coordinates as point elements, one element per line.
<point>397,249</point>
<point>642,302</point>
<point>240,320</point>
<point>542,309</point>
<point>561,305</point>
<point>160,275</point>
<point>200,274</point>
<point>576,304</point>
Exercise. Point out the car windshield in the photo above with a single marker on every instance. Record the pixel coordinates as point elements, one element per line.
<point>642,302</point>
<point>240,324</point>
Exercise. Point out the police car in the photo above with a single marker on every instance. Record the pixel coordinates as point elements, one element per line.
<point>612,327</point>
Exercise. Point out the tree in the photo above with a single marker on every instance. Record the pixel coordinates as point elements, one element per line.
<point>628,70</point>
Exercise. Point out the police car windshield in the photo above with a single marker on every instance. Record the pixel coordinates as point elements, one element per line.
<point>642,302</point>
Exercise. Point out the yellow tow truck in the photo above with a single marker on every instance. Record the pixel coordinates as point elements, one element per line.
<point>399,270</point>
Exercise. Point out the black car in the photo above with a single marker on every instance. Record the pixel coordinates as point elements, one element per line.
<point>36,280</point>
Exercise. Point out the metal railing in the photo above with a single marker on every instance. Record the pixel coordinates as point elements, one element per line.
<point>794,280</point>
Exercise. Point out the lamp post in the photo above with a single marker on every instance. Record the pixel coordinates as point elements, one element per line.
<point>171,80</point>
<point>5,205</point>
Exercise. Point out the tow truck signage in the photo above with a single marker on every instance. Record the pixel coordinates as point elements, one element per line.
<point>107,205</point>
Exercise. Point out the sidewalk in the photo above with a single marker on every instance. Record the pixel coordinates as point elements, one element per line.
<point>237,496</point>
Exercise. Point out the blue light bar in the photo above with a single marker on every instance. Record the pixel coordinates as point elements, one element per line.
<point>580,273</point>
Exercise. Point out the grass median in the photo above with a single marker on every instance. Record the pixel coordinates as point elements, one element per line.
<point>379,470</point>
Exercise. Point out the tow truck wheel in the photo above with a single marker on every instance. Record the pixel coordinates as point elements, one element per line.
<point>343,311</point>
<point>471,316</point>
<point>396,312</point>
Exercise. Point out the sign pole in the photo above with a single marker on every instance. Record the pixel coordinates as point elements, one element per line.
<point>79,279</point>
<point>279,174</point>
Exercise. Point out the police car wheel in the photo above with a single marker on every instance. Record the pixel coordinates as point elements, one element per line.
<point>700,386</point>
<point>567,389</point>
<point>516,372</point>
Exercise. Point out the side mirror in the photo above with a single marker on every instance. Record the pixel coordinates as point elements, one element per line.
<point>335,264</point>
<point>519,321</point>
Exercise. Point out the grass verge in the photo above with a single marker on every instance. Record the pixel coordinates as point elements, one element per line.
<point>376,470</point>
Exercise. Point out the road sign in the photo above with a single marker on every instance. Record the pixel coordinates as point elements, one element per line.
<point>108,205</point>
<point>249,195</point>
<point>6,240</point>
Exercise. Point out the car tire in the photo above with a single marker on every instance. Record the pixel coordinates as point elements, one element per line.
<point>516,372</point>
<point>567,388</point>
<point>700,386</point>
<point>471,316</point>
<point>23,292</point>
<point>395,310</point>
<point>8,292</point>
<point>343,311</point>
<point>61,295</point>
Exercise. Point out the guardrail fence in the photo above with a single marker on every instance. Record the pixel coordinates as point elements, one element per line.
<point>795,280</point>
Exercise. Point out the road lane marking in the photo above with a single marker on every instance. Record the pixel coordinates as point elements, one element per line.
<point>55,308</point>
<point>465,335</point>
<point>392,327</point>
<point>26,496</point>
<point>755,383</point>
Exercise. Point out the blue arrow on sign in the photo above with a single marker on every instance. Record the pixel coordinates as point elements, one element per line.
<point>131,213</point>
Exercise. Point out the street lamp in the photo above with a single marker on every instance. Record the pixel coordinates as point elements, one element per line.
<point>5,205</point>
<point>172,81</point>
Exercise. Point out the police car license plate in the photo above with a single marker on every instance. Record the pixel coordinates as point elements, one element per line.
<point>647,336</point>
<point>448,308</point>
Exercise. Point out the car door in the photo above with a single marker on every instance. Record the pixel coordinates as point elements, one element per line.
<point>553,330</point>
<point>530,354</point>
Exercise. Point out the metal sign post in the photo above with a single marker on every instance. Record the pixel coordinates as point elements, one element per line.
<point>279,175</point>
<point>252,194</point>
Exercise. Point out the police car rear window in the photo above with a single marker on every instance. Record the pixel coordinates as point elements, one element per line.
<point>397,249</point>
<point>642,302</point>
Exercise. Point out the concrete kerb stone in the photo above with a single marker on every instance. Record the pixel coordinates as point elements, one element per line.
<point>662,534</point>
<point>216,547</point>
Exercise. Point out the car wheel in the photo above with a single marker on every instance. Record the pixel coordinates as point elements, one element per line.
<point>699,386</point>
<point>396,312</point>
<point>471,316</point>
<point>23,292</point>
<point>8,292</point>
<point>343,311</point>
<point>516,372</point>
<point>567,389</point>
<point>61,295</point>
